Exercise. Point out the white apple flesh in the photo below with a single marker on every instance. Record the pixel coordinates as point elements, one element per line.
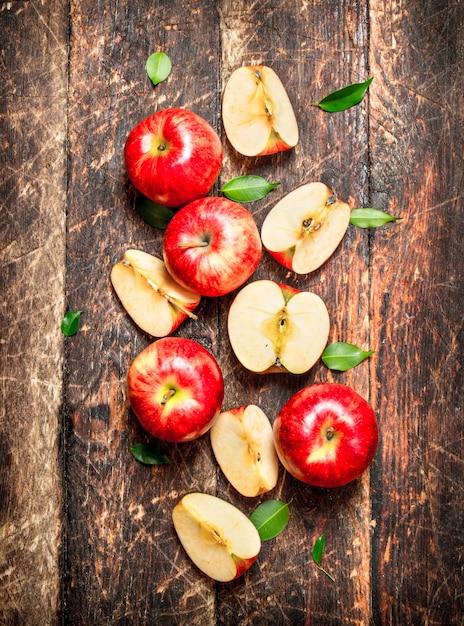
<point>152,298</point>
<point>243,444</point>
<point>257,113</point>
<point>220,539</point>
<point>305,227</point>
<point>276,328</point>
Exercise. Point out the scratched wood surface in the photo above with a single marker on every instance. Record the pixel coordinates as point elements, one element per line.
<point>86,532</point>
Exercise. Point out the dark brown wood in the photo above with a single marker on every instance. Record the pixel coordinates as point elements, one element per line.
<point>87,537</point>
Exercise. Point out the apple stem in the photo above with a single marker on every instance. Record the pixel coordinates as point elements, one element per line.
<point>200,244</point>
<point>329,433</point>
<point>171,300</point>
<point>326,572</point>
<point>168,395</point>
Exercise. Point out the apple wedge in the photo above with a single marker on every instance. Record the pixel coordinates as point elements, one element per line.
<point>220,539</point>
<point>276,328</point>
<point>243,444</point>
<point>257,113</point>
<point>153,299</point>
<point>305,227</point>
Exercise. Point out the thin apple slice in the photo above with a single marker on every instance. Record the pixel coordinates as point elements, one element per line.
<point>305,227</point>
<point>153,299</point>
<point>220,539</point>
<point>243,445</point>
<point>276,328</point>
<point>257,113</point>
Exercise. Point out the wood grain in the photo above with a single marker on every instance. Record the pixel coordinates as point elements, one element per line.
<point>87,536</point>
<point>33,103</point>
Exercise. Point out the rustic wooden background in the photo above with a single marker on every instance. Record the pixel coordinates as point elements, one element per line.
<point>86,533</point>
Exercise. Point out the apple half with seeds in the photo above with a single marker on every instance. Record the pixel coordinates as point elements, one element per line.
<point>152,298</point>
<point>277,328</point>
<point>305,227</point>
<point>243,444</point>
<point>257,113</point>
<point>220,539</point>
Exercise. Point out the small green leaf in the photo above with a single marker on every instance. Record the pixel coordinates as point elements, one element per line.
<point>317,554</point>
<point>344,356</point>
<point>70,323</point>
<point>270,518</point>
<point>158,67</point>
<point>149,454</point>
<point>154,214</point>
<point>344,98</point>
<point>370,218</point>
<point>247,188</point>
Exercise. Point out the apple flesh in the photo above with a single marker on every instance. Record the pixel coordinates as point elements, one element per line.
<point>212,246</point>
<point>326,435</point>
<point>220,539</point>
<point>243,444</point>
<point>277,328</point>
<point>257,113</point>
<point>173,157</point>
<point>305,227</point>
<point>176,389</point>
<point>152,298</point>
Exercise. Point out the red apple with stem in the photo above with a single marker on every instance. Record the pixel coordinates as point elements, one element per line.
<point>176,389</point>
<point>212,246</point>
<point>173,157</point>
<point>326,435</point>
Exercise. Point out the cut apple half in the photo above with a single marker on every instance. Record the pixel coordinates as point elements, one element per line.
<point>220,539</point>
<point>257,113</point>
<point>276,328</point>
<point>152,298</point>
<point>243,444</point>
<point>305,227</point>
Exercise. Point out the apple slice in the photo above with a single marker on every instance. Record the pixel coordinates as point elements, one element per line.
<point>243,444</point>
<point>305,227</point>
<point>257,113</point>
<point>220,539</point>
<point>276,328</point>
<point>153,299</point>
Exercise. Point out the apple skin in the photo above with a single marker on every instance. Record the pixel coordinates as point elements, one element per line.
<point>307,446</point>
<point>212,246</point>
<point>176,389</point>
<point>173,157</point>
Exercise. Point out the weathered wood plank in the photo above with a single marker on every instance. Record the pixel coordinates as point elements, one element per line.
<point>33,104</point>
<point>315,49</point>
<point>125,563</point>
<point>417,117</point>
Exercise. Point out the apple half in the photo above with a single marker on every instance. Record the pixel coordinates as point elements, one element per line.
<point>257,113</point>
<point>152,298</point>
<point>243,444</point>
<point>305,227</point>
<point>220,539</point>
<point>277,328</point>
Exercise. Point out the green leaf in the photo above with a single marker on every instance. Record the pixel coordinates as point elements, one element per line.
<point>344,356</point>
<point>149,454</point>
<point>158,67</point>
<point>70,323</point>
<point>154,214</point>
<point>270,518</point>
<point>370,218</point>
<point>317,554</point>
<point>344,98</point>
<point>247,188</point>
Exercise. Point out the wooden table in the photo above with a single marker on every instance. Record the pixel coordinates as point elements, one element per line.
<point>86,531</point>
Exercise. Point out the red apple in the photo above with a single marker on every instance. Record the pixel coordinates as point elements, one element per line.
<point>212,246</point>
<point>176,389</point>
<point>173,157</point>
<point>326,435</point>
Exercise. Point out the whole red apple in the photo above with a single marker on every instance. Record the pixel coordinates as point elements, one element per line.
<point>173,157</point>
<point>176,389</point>
<point>326,435</point>
<point>212,246</point>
